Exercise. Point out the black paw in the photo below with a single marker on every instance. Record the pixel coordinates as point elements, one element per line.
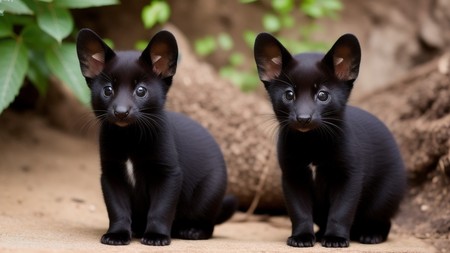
<point>121,238</point>
<point>335,242</point>
<point>193,234</point>
<point>371,239</point>
<point>155,239</point>
<point>306,240</point>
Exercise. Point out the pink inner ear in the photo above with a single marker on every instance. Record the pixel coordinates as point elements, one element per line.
<point>342,61</point>
<point>95,64</point>
<point>341,68</point>
<point>270,62</point>
<point>161,60</point>
<point>271,68</point>
<point>160,65</point>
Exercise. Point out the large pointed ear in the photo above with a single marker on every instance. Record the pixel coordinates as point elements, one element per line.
<point>92,53</point>
<point>270,56</point>
<point>344,58</point>
<point>161,54</point>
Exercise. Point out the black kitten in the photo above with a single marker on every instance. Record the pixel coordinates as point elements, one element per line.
<point>359,178</point>
<point>163,174</point>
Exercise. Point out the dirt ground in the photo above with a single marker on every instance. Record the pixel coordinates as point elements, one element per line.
<point>51,202</point>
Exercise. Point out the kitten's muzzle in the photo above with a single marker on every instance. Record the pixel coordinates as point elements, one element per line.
<point>121,112</point>
<point>304,120</point>
<point>121,115</point>
<point>303,123</point>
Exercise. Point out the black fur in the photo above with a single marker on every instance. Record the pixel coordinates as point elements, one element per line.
<point>359,179</point>
<point>178,178</point>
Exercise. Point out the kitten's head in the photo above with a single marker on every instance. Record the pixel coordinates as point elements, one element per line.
<point>308,91</point>
<point>127,87</point>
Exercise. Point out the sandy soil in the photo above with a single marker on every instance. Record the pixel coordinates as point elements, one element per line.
<point>51,202</point>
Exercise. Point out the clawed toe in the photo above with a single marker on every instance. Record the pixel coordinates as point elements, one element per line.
<point>155,239</point>
<point>371,239</point>
<point>335,242</point>
<point>122,238</point>
<point>301,240</point>
<point>193,234</point>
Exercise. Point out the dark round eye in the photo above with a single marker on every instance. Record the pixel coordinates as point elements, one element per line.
<point>323,96</point>
<point>141,91</point>
<point>108,91</point>
<point>289,95</point>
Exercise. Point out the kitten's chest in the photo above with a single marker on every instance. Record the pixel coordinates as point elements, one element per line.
<point>311,148</point>
<point>130,173</point>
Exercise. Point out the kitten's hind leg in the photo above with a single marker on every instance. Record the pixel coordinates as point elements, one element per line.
<point>370,232</point>
<point>196,221</point>
<point>198,214</point>
<point>202,226</point>
<point>192,230</point>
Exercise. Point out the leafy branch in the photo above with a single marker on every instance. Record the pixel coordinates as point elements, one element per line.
<point>32,47</point>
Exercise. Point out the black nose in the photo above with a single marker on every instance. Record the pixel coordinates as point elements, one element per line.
<point>304,119</point>
<point>121,112</point>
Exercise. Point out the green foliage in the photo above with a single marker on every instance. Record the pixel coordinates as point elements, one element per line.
<point>32,47</point>
<point>280,19</point>
<point>205,46</point>
<point>55,21</point>
<point>13,66</point>
<point>320,8</point>
<point>157,11</point>
<point>209,44</point>
<point>61,61</point>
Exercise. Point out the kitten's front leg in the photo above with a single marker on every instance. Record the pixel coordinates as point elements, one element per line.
<point>297,189</point>
<point>344,194</point>
<point>164,193</point>
<point>118,205</point>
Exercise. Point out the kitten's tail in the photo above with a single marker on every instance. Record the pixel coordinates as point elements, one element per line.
<point>229,207</point>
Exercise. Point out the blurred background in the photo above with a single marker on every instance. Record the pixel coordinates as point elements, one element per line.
<point>395,35</point>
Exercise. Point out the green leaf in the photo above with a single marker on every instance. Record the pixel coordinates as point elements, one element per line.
<point>63,63</point>
<point>15,7</point>
<point>13,66</point>
<point>236,59</point>
<point>205,46</point>
<point>225,41</point>
<point>283,6</point>
<point>37,39</point>
<point>164,12</point>
<point>288,21</point>
<point>249,38</point>
<point>77,4</point>
<point>247,1</point>
<point>38,72</point>
<point>156,12</point>
<point>55,21</point>
<point>32,4</point>
<point>5,29</point>
<point>246,81</point>
<point>320,8</point>
<point>17,20</point>
<point>109,42</point>
<point>148,16</point>
<point>141,45</point>
<point>271,23</point>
